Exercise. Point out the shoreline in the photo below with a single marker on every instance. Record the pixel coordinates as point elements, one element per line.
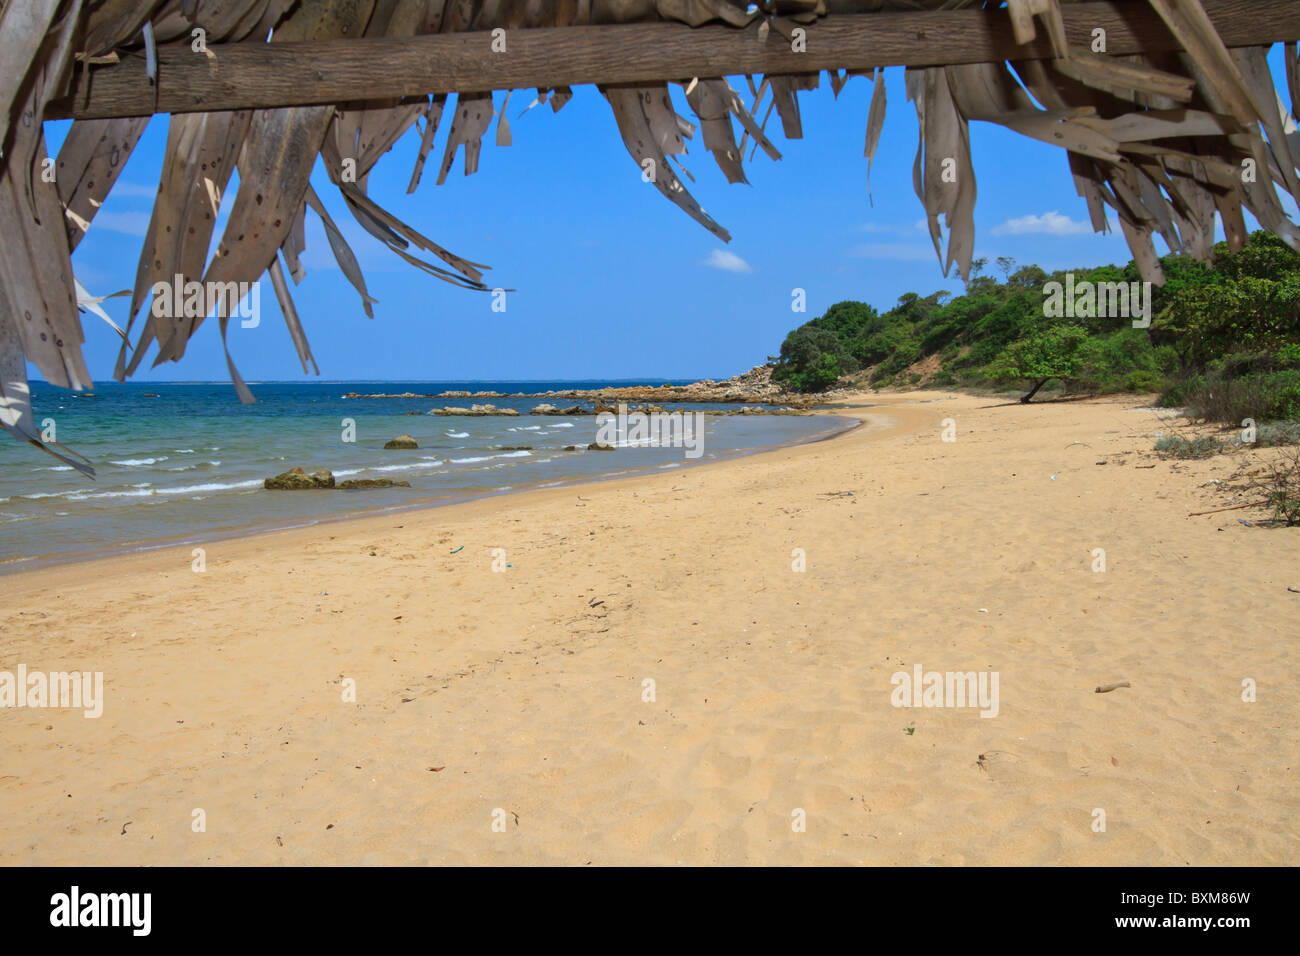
<point>37,563</point>
<point>525,689</point>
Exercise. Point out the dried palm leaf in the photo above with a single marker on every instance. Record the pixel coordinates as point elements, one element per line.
<point>15,395</point>
<point>432,116</point>
<point>712,101</point>
<point>274,169</point>
<point>1188,22</point>
<point>36,269</point>
<point>23,27</point>
<point>290,313</point>
<point>200,156</point>
<point>470,119</point>
<point>649,128</point>
<point>91,158</point>
<point>343,254</point>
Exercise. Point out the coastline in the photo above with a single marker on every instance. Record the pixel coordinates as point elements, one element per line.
<point>418,503</point>
<point>525,690</point>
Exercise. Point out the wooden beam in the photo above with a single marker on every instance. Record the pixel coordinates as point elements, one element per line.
<point>256,75</point>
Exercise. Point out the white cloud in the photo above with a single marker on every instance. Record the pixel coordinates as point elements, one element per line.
<point>1048,224</point>
<point>727,261</point>
<point>129,223</point>
<point>122,188</point>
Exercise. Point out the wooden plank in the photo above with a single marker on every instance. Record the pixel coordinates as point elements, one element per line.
<point>260,75</point>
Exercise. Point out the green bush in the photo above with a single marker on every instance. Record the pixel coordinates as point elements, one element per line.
<point>1271,435</point>
<point>1265,397</point>
<point>811,360</point>
<point>1175,446</point>
<point>881,345</point>
<point>1288,356</point>
<point>1143,381</point>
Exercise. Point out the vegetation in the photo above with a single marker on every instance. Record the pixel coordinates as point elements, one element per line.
<point>1281,488</point>
<point>1175,446</point>
<point>1224,341</point>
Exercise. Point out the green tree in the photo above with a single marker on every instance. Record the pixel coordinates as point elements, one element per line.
<point>1242,314</point>
<point>810,359</point>
<point>1055,352</point>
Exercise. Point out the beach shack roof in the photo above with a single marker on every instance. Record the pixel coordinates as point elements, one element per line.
<point>1166,109</point>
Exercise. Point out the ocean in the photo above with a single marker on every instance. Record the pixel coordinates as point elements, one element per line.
<point>182,463</point>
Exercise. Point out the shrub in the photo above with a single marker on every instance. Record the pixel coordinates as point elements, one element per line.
<point>1263,397</point>
<point>881,345</point>
<point>903,356</point>
<point>1278,433</point>
<point>1143,381</point>
<point>1281,488</point>
<point>1288,356</point>
<point>1176,446</point>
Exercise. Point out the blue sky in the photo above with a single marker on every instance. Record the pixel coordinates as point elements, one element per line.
<point>611,279</point>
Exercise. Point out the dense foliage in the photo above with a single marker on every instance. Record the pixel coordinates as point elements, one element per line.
<point>1223,340</point>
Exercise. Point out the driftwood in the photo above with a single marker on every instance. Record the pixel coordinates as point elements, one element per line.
<point>1215,511</point>
<point>1107,688</point>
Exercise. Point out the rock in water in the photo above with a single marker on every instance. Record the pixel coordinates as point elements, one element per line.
<point>599,446</point>
<point>358,483</point>
<point>298,480</point>
<point>401,441</point>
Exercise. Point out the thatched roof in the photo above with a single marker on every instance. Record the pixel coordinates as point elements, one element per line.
<point>1170,119</point>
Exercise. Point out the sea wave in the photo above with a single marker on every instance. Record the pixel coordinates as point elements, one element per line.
<point>142,492</point>
<point>476,460</point>
<point>138,462</point>
<point>410,467</point>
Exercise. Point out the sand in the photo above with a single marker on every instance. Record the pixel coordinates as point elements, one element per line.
<point>518,697</point>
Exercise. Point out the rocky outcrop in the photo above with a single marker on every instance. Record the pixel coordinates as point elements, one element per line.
<point>548,409</point>
<point>401,441</point>
<point>599,446</point>
<point>473,410</point>
<point>295,479</point>
<point>756,385</point>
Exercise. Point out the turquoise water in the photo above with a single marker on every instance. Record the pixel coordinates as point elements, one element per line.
<point>187,465</point>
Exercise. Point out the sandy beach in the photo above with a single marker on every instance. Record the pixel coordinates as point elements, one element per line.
<point>519,697</point>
